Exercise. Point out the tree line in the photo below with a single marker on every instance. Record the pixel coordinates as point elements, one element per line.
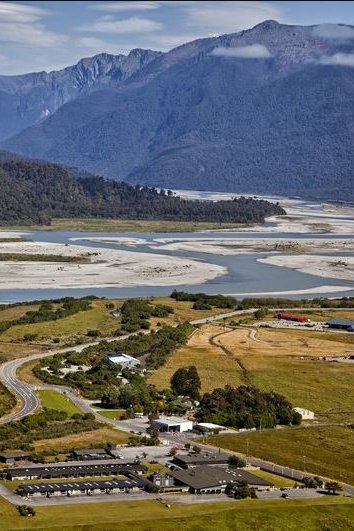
<point>36,192</point>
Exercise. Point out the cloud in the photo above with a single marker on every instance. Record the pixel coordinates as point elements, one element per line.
<point>129,25</point>
<point>229,17</point>
<point>125,6</point>
<point>254,51</point>
<point>333,31</point>
<point>339,59</point>
<point>12,12</point>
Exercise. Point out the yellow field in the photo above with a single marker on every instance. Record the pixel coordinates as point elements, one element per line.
<point>81,440</point>
<point>183,311</point>
<point>11,351</point>
<point>8,314</point>
<point>215,368</point>
<point>99,317</point>
<point>273,362</point>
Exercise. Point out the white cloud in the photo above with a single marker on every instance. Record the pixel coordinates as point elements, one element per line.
<point>30,34</point>
<point>333,31</point>
<point>229,17</point>
<point>339,59</point>
<point>125,6</point>
<point>13,12</point>
<point>128,25</point>
<point>254,51</point>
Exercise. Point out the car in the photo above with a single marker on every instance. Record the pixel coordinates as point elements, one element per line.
<point>284,495</point>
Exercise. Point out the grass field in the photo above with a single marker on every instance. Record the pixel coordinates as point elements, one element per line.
<point>82,440</point>
<point>55,400</point>
<point>273,362</point>
<point>324,514</point>
<point>10,351</point>
<point>325,450</point>
<point>128,225</point>
<point>278,481</point>
<point>15,312</point>
<point>111,413</point>
<point>98,318</point>
<point>215,368</point>
<point>183,311</point>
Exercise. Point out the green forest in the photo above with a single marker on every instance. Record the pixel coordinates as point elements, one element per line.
<point>37,192</point>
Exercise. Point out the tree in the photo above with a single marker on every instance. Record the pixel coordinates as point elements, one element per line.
<point>244,491</point>
<point>196,449</point>
<point>185,381</point>
<point>236,462</point>
<point>333,487</point>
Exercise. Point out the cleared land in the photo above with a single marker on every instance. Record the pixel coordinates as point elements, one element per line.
<point>278,515</point>
<point>111,413</point>
<point>325,450</point>
<point>215,368</point>
<point>272,361</point>
<point>54,400</point>
<point>128,225</point>
<point>82,440</point>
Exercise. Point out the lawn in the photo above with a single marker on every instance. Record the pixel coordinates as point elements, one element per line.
<point>82,440</point>
<point>326,514</point>
<point>325,450</point>
<point>215,368</point>
<point>55,400</point>
<point>98,318</point>
<point>278,481</point>
<point>111,413</point>
<point>273,362</point>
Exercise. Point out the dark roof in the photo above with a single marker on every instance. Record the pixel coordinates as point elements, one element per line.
<point>203,458</point>
<point>205,476</point>
<point>80,485</point>
<point>9,455</point>
<point>89,451</point>
<point>75,470</point>
<point>341,322</point>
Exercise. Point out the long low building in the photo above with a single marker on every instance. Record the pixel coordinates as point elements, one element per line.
<point>73,471</point>
<point>82,488</point>
<point>341,324</point>
<point>214,480</point>
<point>203,458</point>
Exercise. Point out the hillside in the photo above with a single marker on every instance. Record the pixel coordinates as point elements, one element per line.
<point>276,118</point>
<point>38,191</point>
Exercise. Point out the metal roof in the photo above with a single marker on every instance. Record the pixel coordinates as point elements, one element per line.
<point>202,477</point>
<point>341,322</point>
<point>82,485</point>
<point>74,470</point>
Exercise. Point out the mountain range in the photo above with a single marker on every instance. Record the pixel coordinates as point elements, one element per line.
<point>266,110</point>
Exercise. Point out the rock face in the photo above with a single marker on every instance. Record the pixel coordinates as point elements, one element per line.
<point>29,99</point>
<point>267,110</point>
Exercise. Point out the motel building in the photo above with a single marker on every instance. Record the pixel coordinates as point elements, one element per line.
<point>81,488</point>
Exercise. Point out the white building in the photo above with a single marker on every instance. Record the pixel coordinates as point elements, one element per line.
<point>305,413</point>
<point>173,424</point>
<point>127,362</point>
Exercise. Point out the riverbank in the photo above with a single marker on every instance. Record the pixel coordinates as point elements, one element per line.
<point>105,268</point>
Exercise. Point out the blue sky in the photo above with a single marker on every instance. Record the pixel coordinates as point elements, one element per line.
<point>49,35</point>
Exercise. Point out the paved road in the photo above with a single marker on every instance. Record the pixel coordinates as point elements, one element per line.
<point>26,392</point>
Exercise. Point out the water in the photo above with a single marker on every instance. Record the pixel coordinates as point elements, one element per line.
<point>245,276</point>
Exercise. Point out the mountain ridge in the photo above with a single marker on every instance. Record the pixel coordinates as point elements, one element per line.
<point>264,110</point>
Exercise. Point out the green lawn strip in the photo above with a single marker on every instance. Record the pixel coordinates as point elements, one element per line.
<point>278,481</point>
<point>114,414</point>
<point>55,400</point>
<point>325,450</point>
<point>332,514</point>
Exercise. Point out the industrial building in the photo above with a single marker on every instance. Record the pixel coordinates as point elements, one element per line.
<point>291,317</point>
<point>126,362</point>
<point>73,471</point>
<point>91,454</point>
<point>341,324</point>
<point>82,488</point>
<point>174,424</point>
<point>12,457</point>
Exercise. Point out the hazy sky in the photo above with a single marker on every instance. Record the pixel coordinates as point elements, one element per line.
<point>48,35</point>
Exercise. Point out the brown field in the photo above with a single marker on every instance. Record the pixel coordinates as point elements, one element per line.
<point>273,362</point>
<point>183,311</point>
<point>81,440</point>
<point>11,351</point>
<point>8,314</point>
<point>215,368</point>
